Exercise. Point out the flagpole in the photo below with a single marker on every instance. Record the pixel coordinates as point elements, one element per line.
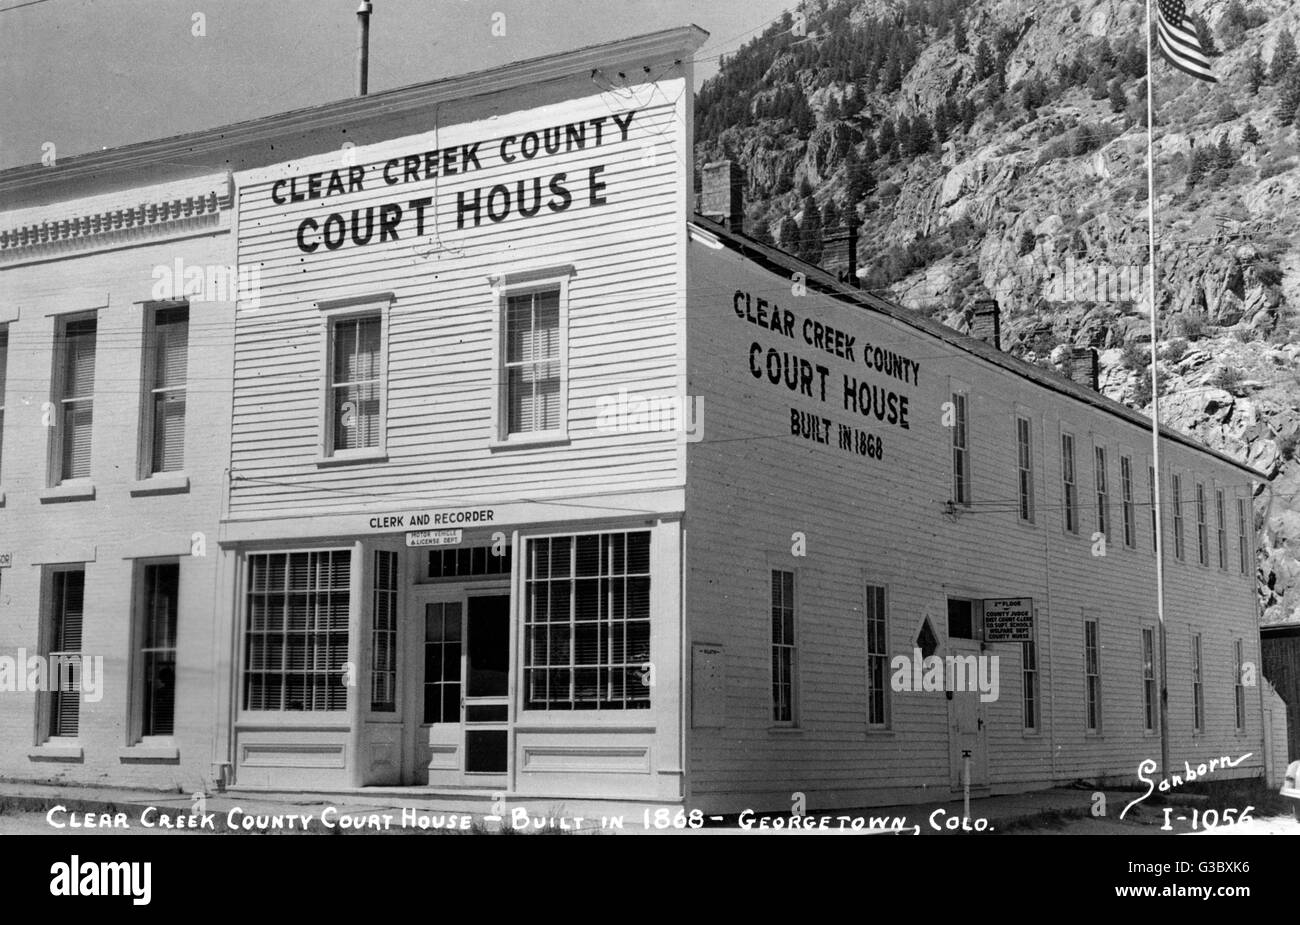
<point>1155,405</point>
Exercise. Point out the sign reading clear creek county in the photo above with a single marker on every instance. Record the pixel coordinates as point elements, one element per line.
<point>1009,619</point>
<point>525,197</point>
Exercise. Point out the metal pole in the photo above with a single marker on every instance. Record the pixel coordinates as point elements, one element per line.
<point>1155,409</point>
<point>363,49</point>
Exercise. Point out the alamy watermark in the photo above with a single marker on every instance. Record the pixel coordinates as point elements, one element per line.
<point>67,672</point>
<point>650,414</point>
<point>950,673</point>
<point>212,282</point>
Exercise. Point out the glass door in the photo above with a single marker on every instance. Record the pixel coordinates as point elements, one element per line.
<point>487,689</point>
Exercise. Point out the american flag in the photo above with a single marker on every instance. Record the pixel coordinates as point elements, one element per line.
<point>1178,41</point>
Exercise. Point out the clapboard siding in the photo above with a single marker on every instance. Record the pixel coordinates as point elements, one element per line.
<point>751,485</point>
<point>623,317</point>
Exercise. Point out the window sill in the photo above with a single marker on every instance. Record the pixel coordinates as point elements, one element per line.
<point>51,752</point>
<point>161,483</point>
<point>880,731</point>
<point>785,730</point>
<point>353,458</point>
<point>146,752</point>
<point>530,441</point>
<point>72,490</point>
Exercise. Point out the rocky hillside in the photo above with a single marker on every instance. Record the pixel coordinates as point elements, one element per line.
<point>998,147</point>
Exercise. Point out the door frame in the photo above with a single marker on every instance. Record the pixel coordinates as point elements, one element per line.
<point>979,773</point>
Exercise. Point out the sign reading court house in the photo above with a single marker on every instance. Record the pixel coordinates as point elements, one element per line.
<point>1009,619</point>
<point>422,519</point>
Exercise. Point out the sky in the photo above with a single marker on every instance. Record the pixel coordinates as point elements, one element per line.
<point>88,74</point>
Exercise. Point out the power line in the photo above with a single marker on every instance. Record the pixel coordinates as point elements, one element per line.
<point>19,6</point>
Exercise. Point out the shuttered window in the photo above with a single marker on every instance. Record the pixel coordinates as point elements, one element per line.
<point>160,601</point>
<point>64,656</point>
<point>75,399</point>
<point>533,373</point>
<point>296,634</point>
<point>355,387</point>
<point>587,622</point>
<point>166,375</point>
<point>4,369</point>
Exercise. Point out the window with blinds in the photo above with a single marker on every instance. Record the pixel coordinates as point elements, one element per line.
<point>296,633</point>
<point>587,622</point>
<point>533,369</point>
<point>383,637</point>
<point>74,401</point>
<point>68,594</point>
<point>165,376</point>
<point>355,364</point>
<point>4,369</point>
<point>160,601</point>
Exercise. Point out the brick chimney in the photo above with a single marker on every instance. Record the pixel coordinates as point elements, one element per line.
<point>722,198</point>
<point>840,254</point>
<point>1083,366</point>
<point>986,323</point>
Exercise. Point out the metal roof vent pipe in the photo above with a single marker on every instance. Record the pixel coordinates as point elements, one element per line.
<point>722,194</point>
<point>986,323</point>
<point>363,48</point>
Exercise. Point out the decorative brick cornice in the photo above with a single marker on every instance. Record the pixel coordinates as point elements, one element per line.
<point>114,220</point>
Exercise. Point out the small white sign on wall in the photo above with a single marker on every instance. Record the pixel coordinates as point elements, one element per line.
<point>433,538</point>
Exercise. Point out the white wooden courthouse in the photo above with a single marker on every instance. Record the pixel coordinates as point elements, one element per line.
<point>538,482</point>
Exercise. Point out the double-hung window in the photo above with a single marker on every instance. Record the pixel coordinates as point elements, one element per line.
<point>1103,491</point>
<point>531,396</point>
<point>1092,675</point>
<point>1025,468</point>
<point>877,658</point>
<point>1149,678</point>
<point>4,366</point>
<point>1198,685</point>
<point>1177,503</point>
<point>355,378</point>
<point>63,651</point>
<point>960,450</point>
<point>1221,528</point>
<point>1128,512</point>
<point>155,665</point>
<point>74,397</point>
<point>165,375</point>
<point>783,646</point>
<point>1202,528</point>
<point>1069,488</point>
<point>1029,678</point>
<point>1242,557</point>
<point>1239,683</point>
<point>1151,504</point>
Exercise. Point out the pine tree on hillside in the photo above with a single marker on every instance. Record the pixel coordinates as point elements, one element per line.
<point>788,235</point>
<point>1118,101</point>
<point>761,234</point>
<point>959,40</point>
<point>922,135</point>
<point>1205,34</point>
<point>1288,100</point>
<point>1195,168</point>
<point>1234,24</point>
<point>942,127</point>
<point>967,114</point>
<point>886,143</point>
<point>1225,158</point>
<point>1284,57</point>
<point>1256,73</point>
<point>805,188</point>
<point>830,216</point>
<point>903,132</point>
<point>810,232</point>
<point>1097,85</point>
<point>983,61</point>
<point>858,181</point>
<point>1250,134</point>
<point>868,148</point>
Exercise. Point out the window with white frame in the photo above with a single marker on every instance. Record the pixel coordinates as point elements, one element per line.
<point>1202,528</point>
<point>1025,467</point>
<point>74,397</point>
<point>1242,558</point>
<point>1103,491</point>
<point>960,450</point>
<point>165,375</point>
<point>296,630</point>
<point>533,389</point>
<point>1029,683</point>
<point>1176,502</point>
<point>1151,504</point>
<point>1092,675</point>
<point>877,657</point>
<point>355,382</point>
<point>1238,683</point>
<point>783,646</point>
<point>155,665</point>
<point>1128,511</point>
<point>1221,528</point>
<point>1198,685</point>
<point>1149,678</point>
<point>1069,488</point>
<point>587,622</point>
<point>63,651</point>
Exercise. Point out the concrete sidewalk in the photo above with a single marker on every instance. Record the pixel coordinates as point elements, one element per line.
<point>412,810</point>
